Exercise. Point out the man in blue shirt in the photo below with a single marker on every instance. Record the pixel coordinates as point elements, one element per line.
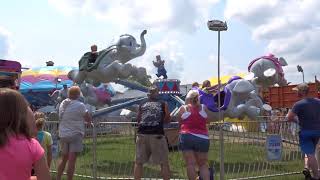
<point>308,112</point>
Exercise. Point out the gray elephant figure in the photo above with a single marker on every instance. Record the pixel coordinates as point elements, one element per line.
<point>111,63</point>
<point>267,71</point>
<point>239,98</point>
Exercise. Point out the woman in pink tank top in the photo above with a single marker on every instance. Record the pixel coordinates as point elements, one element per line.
<point>194,139</point>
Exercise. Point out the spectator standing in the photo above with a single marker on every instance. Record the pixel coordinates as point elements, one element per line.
<point>72,115</point>
<point>45,139</point>
<point>307,111</point>
<point>194,140</point>
<point>19,152</point>
<point>151,143</point>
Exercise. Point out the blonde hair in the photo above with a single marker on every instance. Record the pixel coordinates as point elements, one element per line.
<point>74,92</point>
<point>13,115</point>
<point>38,115</point>
<point>40,123</point>
<point>192,97</point>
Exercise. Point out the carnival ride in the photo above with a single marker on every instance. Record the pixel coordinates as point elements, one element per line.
<point>38,85</point>
<point>240,95</point>
<point>267,71</point>
<point>111,63</point>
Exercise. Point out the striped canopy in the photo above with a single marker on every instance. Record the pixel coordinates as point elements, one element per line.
<point>46,79</point>
<point>37,83</point>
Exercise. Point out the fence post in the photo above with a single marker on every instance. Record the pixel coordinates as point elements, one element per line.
<point>221,145</point>
<point>94,139</point>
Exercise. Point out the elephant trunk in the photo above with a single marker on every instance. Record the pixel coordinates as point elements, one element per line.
<point>142,48</point>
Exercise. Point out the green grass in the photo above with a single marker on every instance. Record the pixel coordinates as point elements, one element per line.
<point>115,158</point>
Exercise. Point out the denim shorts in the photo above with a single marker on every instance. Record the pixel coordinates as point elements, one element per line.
<point>189,142</point>
<point>308,140</point>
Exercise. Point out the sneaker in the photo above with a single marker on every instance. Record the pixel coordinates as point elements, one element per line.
<point>307,174</point>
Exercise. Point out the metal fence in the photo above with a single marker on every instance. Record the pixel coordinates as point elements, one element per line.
<point>110,150</point>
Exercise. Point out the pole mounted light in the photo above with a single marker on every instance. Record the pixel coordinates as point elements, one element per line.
<point>301,70</point>
<point>217,25</point>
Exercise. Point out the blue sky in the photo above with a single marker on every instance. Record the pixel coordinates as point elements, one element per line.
<point>36,31</point>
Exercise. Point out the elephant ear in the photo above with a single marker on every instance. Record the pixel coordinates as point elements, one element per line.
<point>283,62</point>
<point>269,72</point>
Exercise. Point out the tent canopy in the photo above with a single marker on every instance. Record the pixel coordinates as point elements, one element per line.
<point>37,83</point>
<point>225,78</point>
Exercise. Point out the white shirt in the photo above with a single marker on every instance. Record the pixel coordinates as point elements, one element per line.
<point>71,115</point>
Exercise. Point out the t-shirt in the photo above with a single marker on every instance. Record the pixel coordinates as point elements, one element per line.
<point>45,139</point>
<point>308,112</point>
<point>152,116</point>
<point>71,114</point>
<point>18,156</point>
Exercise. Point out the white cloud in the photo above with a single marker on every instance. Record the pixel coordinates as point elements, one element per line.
<point>165,14</point>
<point>291,28</point>
<point>226,68</point>
<point>5,45</point>
<point>69,7</point>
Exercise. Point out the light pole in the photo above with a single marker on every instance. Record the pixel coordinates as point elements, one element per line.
<point>217,25</point>
<point>301,70</point>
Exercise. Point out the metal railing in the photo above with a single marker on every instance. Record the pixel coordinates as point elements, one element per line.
<point>110,150</point>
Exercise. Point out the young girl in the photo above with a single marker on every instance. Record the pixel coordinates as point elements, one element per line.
<point>18,151</point>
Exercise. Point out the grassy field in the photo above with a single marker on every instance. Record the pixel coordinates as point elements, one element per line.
<point>115,157</point>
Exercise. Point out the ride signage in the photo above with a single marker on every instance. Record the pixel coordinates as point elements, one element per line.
<point>273,147</point>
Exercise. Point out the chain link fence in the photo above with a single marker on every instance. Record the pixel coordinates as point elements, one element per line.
<point>109,150</point>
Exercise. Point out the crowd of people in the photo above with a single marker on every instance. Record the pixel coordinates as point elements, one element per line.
<point>26,147</point>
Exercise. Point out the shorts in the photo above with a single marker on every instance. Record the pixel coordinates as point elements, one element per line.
<point>309,140</point>
<point>152,148</point>
<point>189,142</point>
<point>71,144</point>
